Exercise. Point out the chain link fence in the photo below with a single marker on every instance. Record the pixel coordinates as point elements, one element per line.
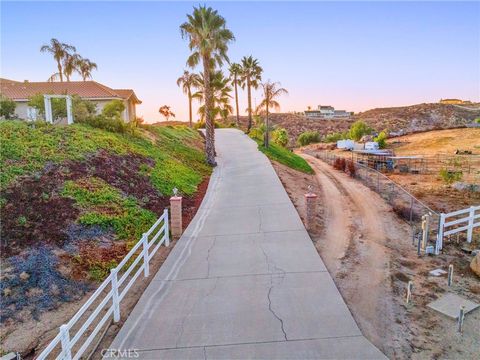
<point>403,203</point>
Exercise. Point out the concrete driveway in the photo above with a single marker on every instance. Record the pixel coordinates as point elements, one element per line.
<point>244,281</point>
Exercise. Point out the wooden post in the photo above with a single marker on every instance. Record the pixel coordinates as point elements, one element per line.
<point>409,291</point>
<point>311,200</point>
<point>450,275</point>
<point>176,215</point>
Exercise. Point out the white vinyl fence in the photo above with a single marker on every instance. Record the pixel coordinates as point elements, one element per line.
<point>455,222</point>
<point>137,261</point>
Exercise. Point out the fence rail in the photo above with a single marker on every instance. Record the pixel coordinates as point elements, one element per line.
<point>457,225</point>
<point>136,261</point>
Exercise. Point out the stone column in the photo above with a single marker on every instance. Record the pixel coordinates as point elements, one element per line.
<point>176,216</point>
<point>311,200</point>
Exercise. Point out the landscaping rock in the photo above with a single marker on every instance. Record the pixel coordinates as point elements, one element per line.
<point>24,276</point>
<point>461,186</point>
<point>475,265</point>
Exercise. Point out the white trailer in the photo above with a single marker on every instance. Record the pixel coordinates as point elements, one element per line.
<point>345,144</point>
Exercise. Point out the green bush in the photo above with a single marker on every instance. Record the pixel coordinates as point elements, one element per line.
<point>308,137</point>
<point>256,133</point>
<point>109,124</point>
<point>280,137</point>
<point>381,139</point>
<point>334,137</point>
<point>359,129</point>
<point>449,176</point>
<point>7,108</point>
<point>201,125</point>
<point>113,109</point>
<point>477,120</point>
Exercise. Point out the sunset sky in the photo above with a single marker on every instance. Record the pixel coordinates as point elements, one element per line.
<point>351,55</point>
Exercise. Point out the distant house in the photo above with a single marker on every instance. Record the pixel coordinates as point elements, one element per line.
<point>20,92</point>
<point>454,102</point>
<point>326,112</point>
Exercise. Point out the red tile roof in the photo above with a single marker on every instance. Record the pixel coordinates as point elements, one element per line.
<point>16,90</point>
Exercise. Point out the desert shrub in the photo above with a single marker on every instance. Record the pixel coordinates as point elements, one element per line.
<point>381,139</point>
<point>334,137</point>
<point>7,108</point>
<point>339,164</point>
<point>477,120</point>
<point>308,137</point>
<point>201,125</point>
<point>449,176</point>
<point>280,137</point>
<point>350,165</point>
<point>358,129</point>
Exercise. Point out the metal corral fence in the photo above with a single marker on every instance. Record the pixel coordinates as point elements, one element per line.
<point>403,203</point>
<point>76,336</point>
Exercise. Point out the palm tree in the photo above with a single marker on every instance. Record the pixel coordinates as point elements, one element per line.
<point>59,51</point>
<point>187,81</point>
<point>235,70</point>
<point>208,40</point>
<point>271,91</point>
<point>71,63</point>
<point>85,67</point>
<point>251,75</point>
<point>220,86</point>
<point>165,111</point>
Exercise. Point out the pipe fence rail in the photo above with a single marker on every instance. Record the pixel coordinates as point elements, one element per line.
<point>451,224</point>
<point>76,336</point>
<point>403,203</point>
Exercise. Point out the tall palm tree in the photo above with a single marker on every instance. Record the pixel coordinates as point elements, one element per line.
<point>220,87</point>
<point>271,92</point>
<point>251,75</point>
<point>59,51</point>
<point>85,67</point>
<point>208,40</point>
<point>71,63</point>
<point>235,70</point>
<point>188,81</point>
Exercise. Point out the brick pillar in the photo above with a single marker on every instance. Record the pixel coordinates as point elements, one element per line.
<point>311,200</point>
<point>176,216</point>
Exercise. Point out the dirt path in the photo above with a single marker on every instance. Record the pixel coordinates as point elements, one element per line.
<point>355,243</point>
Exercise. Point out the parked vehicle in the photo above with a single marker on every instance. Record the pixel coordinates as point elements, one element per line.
<point>371,145</point>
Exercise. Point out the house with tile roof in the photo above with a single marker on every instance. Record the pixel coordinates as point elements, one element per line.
<point>100,94</point>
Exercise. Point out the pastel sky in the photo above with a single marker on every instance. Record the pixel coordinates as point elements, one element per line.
<point>352,55</point>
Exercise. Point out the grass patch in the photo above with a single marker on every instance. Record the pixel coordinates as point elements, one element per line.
<point>105,206</point>
<point>177,151</point>
<point>285,157</point>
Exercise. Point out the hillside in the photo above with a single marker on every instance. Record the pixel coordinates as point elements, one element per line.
<point>421,117</point>
<point>74,200</point>
<point>401,120</point>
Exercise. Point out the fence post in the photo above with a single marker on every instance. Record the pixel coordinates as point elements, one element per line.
<point>470,224</point>
<point>167,228</point>
<point>115,297</point>
<point>65,340</point>
<point>146,266</point>
<point>440,231</point>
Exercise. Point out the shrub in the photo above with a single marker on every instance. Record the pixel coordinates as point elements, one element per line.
<point>109,124</point>
<point>358,129</point>
<point>280,137</point>
<point>477,120</point>
<point>339,164</point>
<point>113,109</point>
<point>449,176</point>
<point>201,125</point>
<point>334,137</point>
<point>7,108</point>
<point>256,133</point>
<point>381,139</point>
<point>351,168</point>
<point>308,137</point>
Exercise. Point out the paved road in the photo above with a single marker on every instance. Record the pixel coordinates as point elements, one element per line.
<point>244,281</point>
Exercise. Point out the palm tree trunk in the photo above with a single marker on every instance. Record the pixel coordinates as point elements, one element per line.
<point>190,107</point>
<point>249,91</point>
<point>236,101</point>
<point>209,121</point>
<point>60,72</point>
<point>267,135</point>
